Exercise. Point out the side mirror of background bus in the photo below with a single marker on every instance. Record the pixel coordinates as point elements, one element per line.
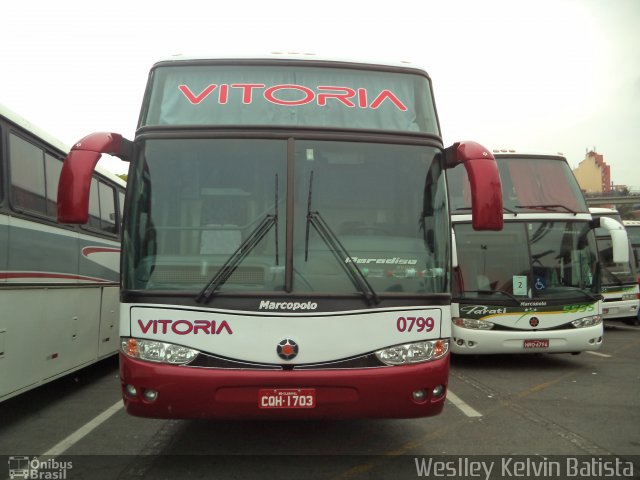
<point>484,179</point>
<point>77,169</point>
<point>619,238</point>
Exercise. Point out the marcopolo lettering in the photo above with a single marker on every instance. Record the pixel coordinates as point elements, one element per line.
<point>321,95</point>
<point>269,305</point>
<point>185,327</point>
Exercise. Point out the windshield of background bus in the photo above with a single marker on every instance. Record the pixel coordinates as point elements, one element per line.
<point>530,259</point>
<point>526,182</point>
<point>339,98</point>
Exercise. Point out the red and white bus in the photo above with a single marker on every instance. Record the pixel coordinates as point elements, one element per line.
<point>287,247</point>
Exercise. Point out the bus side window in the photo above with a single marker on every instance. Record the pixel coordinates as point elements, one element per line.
<point>102,207</point>
<point>28,190</point>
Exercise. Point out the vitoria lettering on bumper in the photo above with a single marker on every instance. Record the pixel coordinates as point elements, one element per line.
<point>185,327</point>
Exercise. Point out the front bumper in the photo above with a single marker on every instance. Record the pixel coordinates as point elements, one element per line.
<point>191,392</point>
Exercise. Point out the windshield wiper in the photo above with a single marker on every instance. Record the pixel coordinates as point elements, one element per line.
<point>339,252</point>
<point>547,207</point>
<point>491,292</point>
<point>504,209</point>
<point>245,248</point>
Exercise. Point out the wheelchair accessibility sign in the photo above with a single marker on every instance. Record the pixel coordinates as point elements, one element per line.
<point>540,283</point>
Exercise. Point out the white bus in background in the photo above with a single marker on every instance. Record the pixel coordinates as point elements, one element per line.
<point>633,231</point>
<point>286,251</point>
<point>534,286</point>
<point>58,283</point>
<point>619,278</point>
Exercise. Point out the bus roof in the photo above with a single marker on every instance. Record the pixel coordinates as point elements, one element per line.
<point>293,57</point>
<point>46,137</point>
<point>509,152</point>
<point>30,127</point>
<point>602,210</point>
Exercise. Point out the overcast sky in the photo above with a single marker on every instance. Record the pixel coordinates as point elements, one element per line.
<point>544,75</point>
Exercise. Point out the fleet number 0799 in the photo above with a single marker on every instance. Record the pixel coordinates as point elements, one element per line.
<point>418,324</point>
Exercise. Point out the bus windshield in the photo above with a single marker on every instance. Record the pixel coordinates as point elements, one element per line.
<point>259,95</point>
<point>615,273</point>
<point>211,195</point>
<point>529,184</point>
<point>539,259</point>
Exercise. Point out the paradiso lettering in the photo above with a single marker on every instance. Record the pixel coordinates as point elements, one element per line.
<point>349,97</point>
<point>185,327</point>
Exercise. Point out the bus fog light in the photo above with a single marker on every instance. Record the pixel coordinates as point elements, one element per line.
<point>150,395</point>
<point>437,391</point>
<point>130,390</point>
<point>419,395</point>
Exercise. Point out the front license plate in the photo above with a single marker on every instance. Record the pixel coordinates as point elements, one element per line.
<point>544,343</point>
<point>287,398</point>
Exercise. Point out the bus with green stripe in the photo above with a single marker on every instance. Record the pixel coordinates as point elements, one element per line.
<point>620,278</point>
<point>534,286</point>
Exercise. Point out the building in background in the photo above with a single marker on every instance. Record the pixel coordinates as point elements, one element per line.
<point>593,174</point>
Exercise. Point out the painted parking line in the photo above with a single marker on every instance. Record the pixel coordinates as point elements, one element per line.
<point>83,431</point>
<point>464,407</point>
<point>598,354</point>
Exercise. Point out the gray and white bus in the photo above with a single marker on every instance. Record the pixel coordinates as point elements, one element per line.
<point>58,283</point>
<point>620,278</point>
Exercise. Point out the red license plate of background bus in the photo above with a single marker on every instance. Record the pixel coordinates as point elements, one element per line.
<point>287,398</point>
<point>542,343</point>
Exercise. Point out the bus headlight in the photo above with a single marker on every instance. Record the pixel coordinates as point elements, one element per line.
<point>154,351</point>
<point>414,352</point>
<point>473,323</point>
<point>629,296</point>
<point>587,321</point>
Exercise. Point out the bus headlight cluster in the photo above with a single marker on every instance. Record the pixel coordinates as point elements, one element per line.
<point>629,296</point>
<point>473,323</point>
<point>587,321</point>
<point>154,351</point>
<point>413,352</point>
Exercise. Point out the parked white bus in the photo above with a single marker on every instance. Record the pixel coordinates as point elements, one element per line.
<point>534,286</point>
<point>58,283</point>
<point>620,278</point>
<point>633,230</point>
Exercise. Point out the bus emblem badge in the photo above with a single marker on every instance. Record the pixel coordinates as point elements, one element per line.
<point>287,349</point>
<point>534,322</point>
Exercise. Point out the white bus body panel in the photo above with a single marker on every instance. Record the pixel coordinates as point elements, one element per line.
<point>253,336</point>
<point>512,341</point>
